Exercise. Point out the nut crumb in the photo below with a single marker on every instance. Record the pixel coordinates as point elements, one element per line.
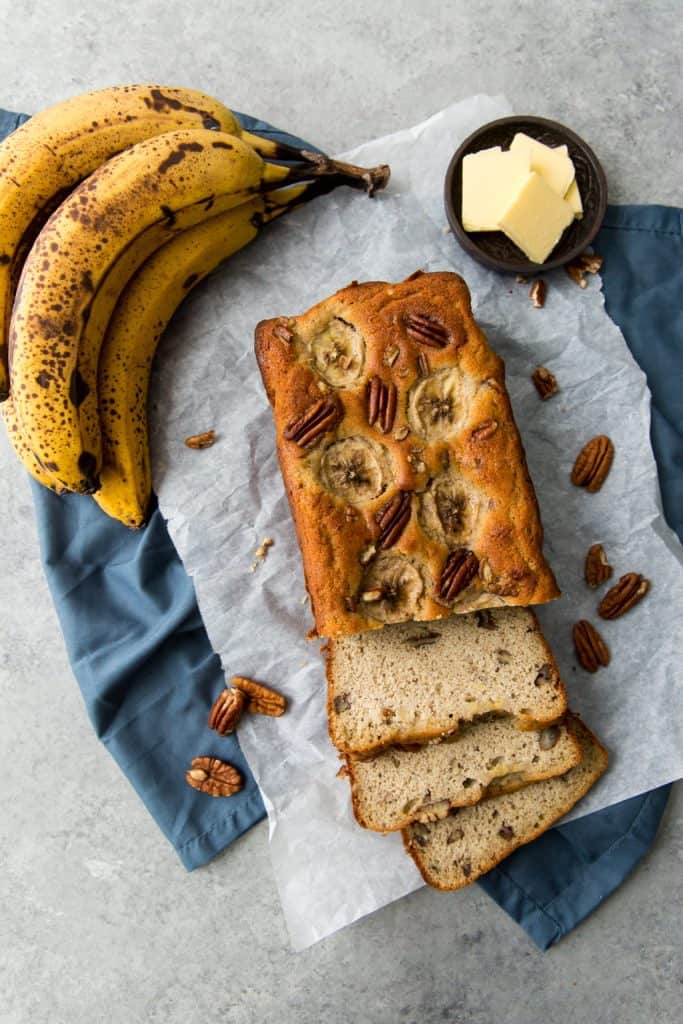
<point>545,382</point>
<point>391,355</point>
<point>537,293</point>
<point>204,440</point>
<point>262,551</point>
<point>367,554</point>
<point>586,263</point>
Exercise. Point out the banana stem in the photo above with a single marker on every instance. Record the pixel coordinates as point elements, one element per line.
<point>281,200</point>
<point>309,164</point>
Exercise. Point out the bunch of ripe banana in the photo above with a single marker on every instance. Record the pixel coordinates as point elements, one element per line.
<point>113,206</point>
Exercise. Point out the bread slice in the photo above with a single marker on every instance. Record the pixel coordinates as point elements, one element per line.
<point>411,682</point>
<point>402,462</point>
<point>423,783</point>
<point>454,852</point>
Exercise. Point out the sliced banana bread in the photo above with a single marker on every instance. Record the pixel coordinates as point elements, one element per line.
<point>454,852</point>
<point>400,785</point>
<point>412,682</point>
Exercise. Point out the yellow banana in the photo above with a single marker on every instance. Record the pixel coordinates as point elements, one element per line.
<point>45,158</point>
<point>80,263</point>
<point>141,317</point>
<point>31,463</point>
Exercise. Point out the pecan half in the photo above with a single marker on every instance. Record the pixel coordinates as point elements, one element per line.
<point>262,700</point>
<point>423,364</point>
<point>204,440</point>
<point>537,294</point>
<point>593,463</point>
<point>226,711</point>
<point>485,430</point>
<point>217,778</point>
<point>315,421</point>
<point>460,569</point>
<point>625,593</point>
<point>380,403</point>
<point>591,649</point>
<point>393,519</point>
<point>545,382</point>
<point>427,330</point>
<point>598,568</point>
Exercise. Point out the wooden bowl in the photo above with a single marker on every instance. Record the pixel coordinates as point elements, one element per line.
<point>493,248</point>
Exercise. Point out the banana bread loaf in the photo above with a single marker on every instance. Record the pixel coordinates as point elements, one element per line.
<point>402,462</point>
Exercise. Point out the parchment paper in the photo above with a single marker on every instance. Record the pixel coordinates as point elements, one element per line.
<point>222,502</point>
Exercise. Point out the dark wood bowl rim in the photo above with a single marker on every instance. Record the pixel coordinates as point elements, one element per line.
<point>522,265</point>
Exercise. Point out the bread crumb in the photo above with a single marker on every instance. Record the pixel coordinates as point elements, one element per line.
<point>262,551</point>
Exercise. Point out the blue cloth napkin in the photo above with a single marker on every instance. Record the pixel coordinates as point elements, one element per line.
<point>148,674</point>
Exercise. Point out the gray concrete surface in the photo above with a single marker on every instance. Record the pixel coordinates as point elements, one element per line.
<point>98,921</point>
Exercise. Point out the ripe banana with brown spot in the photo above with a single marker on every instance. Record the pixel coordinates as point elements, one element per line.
<point>143,312</point>
<point>31,463</point>
<point>80,263</point>
<point>87,252</point>
<point>45,158</point>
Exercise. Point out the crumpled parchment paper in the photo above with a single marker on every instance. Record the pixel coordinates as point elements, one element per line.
<point>220,503</point>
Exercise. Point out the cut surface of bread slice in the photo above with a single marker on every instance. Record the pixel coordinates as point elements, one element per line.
<point>401,785</point>
<point>454,852</point>
<point>411,682</point>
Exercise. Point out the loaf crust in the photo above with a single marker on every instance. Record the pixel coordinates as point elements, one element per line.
<point>444,447</point>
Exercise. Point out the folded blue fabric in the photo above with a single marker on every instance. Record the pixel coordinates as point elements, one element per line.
<point>148,674</point>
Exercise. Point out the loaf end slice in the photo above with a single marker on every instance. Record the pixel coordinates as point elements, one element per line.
<point>423,783</point>
<point>411,682</point>
<point>453,853</point>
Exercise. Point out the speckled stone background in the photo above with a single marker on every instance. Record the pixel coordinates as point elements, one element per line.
<point>98,921</point>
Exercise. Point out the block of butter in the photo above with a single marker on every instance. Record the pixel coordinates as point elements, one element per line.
<point>553,164</point>
<point>490,181</point>
<point>536,218</point>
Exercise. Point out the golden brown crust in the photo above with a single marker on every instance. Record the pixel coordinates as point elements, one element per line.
<point>461,455</point>
<point>587,739</point>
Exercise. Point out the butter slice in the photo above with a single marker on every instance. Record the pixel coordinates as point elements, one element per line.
<point>553,165</point>
<point>536,218</point>
<point>490,181</point>
<point>573,197</point>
